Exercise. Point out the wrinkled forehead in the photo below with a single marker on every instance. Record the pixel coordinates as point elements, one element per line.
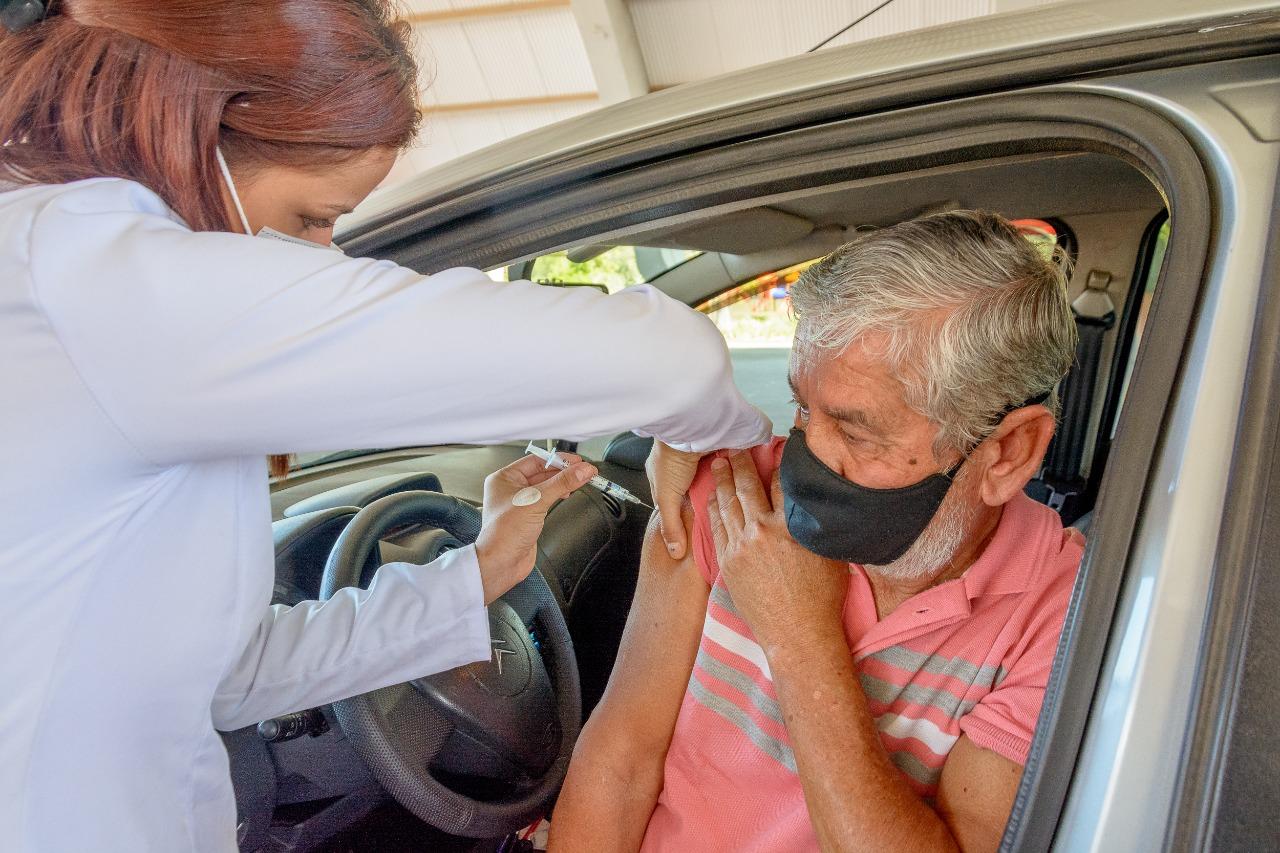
<point>862,366</point>
<point>855,385</point>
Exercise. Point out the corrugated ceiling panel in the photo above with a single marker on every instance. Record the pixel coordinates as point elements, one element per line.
<point>417,158</point>
<point>448,5</point>
<point>745,32</point>
<point>506,58</point>
<point>427,6</point>
<point>449,135</point>
<point>525,55</point>
<point>557,45</point>
<point>934,12</point>
<point>449,64</point>
<point>524,119</point>
<point>904,15</point>
<point>684,40</point>
<point>464,4</point>
<point>469,131</point>
<point>677,39</point>
<point>810,21</point>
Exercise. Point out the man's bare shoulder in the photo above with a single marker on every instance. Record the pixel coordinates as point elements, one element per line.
<point>655,560</point>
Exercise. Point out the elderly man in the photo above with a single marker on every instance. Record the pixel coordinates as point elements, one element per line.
<point>854,654</point>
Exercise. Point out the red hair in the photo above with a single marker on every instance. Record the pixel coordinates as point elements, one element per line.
<point>148,90</point>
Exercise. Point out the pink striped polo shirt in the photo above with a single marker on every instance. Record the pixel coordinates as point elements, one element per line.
<point>969,656</point>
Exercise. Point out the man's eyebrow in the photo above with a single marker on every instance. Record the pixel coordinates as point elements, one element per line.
<point>857,418</point>
<point>853,417</point>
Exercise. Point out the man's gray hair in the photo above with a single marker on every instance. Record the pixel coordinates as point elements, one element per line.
<point>975,315</point>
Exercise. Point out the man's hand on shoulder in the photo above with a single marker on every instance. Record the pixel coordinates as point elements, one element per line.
<point>775,583</point>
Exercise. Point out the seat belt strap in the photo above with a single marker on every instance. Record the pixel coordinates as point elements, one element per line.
<point>1095,315</point>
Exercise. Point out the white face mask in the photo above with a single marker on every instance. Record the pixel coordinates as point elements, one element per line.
<point>268,233</point>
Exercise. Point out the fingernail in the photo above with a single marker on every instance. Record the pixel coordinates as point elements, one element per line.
<point>527,496</point>
<point>671,548</point>
<point>585,473</point>
<point>720,462</point>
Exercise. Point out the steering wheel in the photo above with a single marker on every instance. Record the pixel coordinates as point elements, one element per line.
<point>478,751</point>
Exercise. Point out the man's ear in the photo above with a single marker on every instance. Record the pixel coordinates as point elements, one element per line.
<point>1014,453</point>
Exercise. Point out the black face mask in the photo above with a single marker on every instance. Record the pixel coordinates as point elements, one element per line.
<point>840,520</point>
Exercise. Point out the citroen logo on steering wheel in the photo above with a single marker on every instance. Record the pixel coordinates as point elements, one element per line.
<point>499,652</point>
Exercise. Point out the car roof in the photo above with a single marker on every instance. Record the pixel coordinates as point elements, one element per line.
<point>909,53</point>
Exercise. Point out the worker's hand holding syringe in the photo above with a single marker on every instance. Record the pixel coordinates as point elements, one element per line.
<point>516,501</point>
<point>554,460</point>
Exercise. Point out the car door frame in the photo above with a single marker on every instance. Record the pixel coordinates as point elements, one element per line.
<point>1228,784</point>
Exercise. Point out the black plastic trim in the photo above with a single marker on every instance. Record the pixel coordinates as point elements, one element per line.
<point>916,139</point>
<point>1120,359</point>
<point>1229,790</point>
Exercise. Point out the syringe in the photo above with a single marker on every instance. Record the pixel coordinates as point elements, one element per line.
<point>609,487</point>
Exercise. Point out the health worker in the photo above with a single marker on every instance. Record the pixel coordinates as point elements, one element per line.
<point>157,348</point>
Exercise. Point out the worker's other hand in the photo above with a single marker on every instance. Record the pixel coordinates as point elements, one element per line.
<point>507,545</point>
<point>671,473</point>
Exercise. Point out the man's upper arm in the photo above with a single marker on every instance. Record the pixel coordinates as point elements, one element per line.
<point>642,700</point>
<point>975,795</point>
<point>616,775</point>
<point>981,776</point>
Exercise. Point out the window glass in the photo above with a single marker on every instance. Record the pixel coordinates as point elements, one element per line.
<point>1144,308</point>
<point>619,267</point>
<point>1041,234</point>
<point>758,324</point>
<point>653,262</point>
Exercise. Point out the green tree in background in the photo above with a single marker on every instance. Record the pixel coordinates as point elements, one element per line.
<point>615,269</point>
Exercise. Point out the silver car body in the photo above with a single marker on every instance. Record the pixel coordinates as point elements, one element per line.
<point>1129,763</point>
<point>1127,771</point>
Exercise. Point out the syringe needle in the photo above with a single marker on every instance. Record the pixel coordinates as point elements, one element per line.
<point>609,487</point>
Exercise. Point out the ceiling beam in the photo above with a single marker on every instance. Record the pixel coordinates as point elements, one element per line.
<point>609,35</point>
<point>507,103</point>
<point>488,10</point>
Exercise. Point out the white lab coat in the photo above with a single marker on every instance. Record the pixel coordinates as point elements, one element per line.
<point>147,371</point>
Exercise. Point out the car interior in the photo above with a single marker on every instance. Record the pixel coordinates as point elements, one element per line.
<point>308,782</point>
